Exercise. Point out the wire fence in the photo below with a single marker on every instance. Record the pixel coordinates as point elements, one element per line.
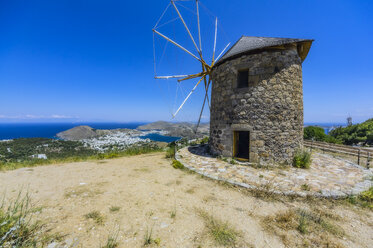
<point>362,155</point>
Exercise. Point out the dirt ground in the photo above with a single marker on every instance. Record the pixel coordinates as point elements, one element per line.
<point>144,197</point>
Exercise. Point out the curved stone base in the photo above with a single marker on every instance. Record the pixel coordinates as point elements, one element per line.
<point>327,177</point>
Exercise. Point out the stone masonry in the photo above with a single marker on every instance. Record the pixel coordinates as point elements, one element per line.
<point>271,108</point>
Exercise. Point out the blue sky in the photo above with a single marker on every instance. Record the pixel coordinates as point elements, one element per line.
<point>93,60</point>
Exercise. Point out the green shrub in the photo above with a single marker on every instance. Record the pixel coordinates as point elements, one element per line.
<point>171,149</point>
<point>314,132</point>
<point>364,199</point>
<point>177,165</point>
<point>305,187</point>
<point>367,195</point>
<point>205,140</point>
<point>303,223</point>
<point>302,159</point>
<point>318,134</point>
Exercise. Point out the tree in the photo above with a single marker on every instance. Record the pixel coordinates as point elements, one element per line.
<point>313,132</point>
<point>355,134</point>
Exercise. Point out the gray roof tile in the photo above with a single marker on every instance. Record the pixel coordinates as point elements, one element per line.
<point>251,43</point>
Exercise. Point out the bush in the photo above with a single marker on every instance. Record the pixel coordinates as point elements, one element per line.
<point>364,199</point>
<point>318,134</point>
<point>302,159</point>
<point>170,152</point>
<point>313,132</point>
<point>205,140</point>
<point>354,134</point>
<point>367,195</point>
<point>177,165</point>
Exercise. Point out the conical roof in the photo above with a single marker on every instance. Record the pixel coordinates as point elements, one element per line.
<point>251,43</point>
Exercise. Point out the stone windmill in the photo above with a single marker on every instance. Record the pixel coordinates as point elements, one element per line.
<point>257,99</point>
<point>256,109</point>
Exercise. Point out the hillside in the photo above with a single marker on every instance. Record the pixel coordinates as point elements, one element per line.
<point>180,129</point>
<point>355,134</point>
<point>87,132</point>
<point>143,200</point>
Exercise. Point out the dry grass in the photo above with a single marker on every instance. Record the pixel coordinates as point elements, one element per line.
<point>190,191</point>
<point>18,226</point>
<point>173,213</point>
<point>142,169</point>
<point>114,209</point>
<point>209,198</point>
<point>96,216</point>
<point>112,240</point>
<point>317,228</point>
<point>149,240</point>
<point>82,191</point>
<point>235,216</point>
<point>265,191</point>
<point>222,233</point>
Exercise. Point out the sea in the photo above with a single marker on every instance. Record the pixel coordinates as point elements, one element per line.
<point>50,130</point>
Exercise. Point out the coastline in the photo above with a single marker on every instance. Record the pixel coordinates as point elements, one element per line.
<point>10,131</point>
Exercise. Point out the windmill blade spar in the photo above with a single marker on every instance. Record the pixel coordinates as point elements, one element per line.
<point>176,44</point>
<point>194,88</point>
<point>203,106</point>
<point>199,28</point>
<point>216,33</point>
<point>201,74</point>
<point>225,48</point>
<point>186,27</point>
<point>173,76</point>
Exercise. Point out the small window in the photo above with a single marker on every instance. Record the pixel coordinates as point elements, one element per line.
<point>243,79</point>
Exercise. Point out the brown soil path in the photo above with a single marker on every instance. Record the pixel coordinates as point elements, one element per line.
<point>151,195</point>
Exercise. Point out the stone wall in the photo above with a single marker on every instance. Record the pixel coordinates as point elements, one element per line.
<point>271,108</point>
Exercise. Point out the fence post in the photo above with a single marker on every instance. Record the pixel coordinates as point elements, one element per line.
<point>311,145</point>
<point>358,157</point>
<point>368,160</point>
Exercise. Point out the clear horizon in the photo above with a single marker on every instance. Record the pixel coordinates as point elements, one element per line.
<point>75,62</point>
<point>143,122</point>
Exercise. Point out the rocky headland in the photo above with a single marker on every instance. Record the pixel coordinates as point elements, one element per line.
<point>87,132</point>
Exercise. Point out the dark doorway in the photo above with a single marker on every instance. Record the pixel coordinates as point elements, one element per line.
<point>241,145</point>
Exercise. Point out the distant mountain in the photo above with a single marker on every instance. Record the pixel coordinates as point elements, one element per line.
<point>87,132</point>
<point>180,129</point>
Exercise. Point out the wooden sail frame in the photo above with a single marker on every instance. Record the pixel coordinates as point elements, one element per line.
<point>204,75</point>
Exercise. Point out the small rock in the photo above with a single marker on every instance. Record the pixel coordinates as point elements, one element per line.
<point>52,245</point>
<point>164,225</point>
